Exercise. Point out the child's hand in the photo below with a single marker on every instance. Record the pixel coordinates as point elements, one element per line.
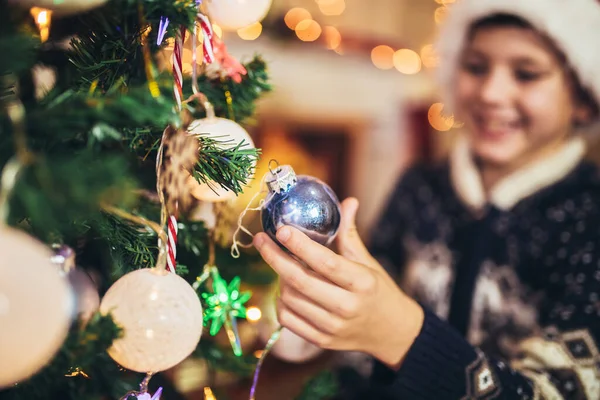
<point>341,302</point>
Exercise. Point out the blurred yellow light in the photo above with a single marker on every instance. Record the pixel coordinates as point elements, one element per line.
<point>217,30</point>
<point>407,61</point>
<point>437,120</point>
<point>440,14</point>
<point>250,32</point>
<point>253,314</point>
<point>383,57</point>
<point>308,30</point>
<point>294,16</point>
<point>42,18</point>
<point>335,7</point>
<point>208,394</point>
<point>429,57</point>
<point>333,38</point>
<point>258,353</point>
<point>444,2</point>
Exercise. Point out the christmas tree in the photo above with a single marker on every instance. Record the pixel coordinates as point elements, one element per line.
<point>108,151</point>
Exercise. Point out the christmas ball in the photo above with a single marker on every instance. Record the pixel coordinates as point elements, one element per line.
<point>84,289</point>
<point>236,14</point>
<point>303,202</point>
<point>161,316</point>
<point>229,134</point>
<point>62,7</point>
<point>289,347</point>
<point>35,307</point>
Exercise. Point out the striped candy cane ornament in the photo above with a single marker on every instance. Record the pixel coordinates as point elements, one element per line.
<point>178,92</point>
<point>207,38</point>
<point>178,66</point>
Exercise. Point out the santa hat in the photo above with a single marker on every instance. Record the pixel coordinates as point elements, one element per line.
<point>573,25</point>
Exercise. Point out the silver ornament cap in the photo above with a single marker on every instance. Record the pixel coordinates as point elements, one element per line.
<point>281,179</point>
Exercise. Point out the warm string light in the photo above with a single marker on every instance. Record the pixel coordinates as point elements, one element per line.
<point>250,32</point>
<point>253,314</point>
<point>307,29</point>
<point>208,394</point>
<point>331,7</point>
<point>42,18</point>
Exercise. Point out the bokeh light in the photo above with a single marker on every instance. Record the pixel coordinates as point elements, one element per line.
<point>407,61</point>
<point>382,57</point>
<point>308,30</point>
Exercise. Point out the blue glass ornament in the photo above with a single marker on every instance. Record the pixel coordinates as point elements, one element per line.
<point>302,201</point>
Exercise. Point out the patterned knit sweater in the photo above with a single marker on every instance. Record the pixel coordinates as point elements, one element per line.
<point>510,281</point>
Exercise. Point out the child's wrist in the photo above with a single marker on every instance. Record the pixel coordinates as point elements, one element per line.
<point>403,329</point>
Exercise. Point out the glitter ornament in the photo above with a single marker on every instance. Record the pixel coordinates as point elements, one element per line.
<point>236,14</point>
<point>302,201</point>
<point>161,316</point>
<point>36,306</point>
<point>229,134</point>
<point>62,7</point>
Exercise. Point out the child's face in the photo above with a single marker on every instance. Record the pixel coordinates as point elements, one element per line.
<point>513,96</point>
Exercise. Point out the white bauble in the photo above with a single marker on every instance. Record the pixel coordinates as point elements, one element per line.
<point>236,14</point>
<point>36,305</point>
<point>289,347</point>
<point>87,299</point>
<point>231,134</point>
<point>84,289</point>
<point>63,7</point>
<point>161,316</point>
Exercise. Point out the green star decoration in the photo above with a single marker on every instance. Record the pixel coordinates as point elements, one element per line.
<point>223,306</point>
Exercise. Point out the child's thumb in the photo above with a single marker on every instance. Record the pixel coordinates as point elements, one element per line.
<point>350,245</point>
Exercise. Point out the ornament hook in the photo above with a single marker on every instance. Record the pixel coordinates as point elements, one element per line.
<point>277,169</point>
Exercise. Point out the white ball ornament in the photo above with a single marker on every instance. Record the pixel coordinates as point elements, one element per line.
<point>230,134</point>
<point>236,14</point>
<point>161,317</point>
<point>36,306</point>
<point>62,7</point>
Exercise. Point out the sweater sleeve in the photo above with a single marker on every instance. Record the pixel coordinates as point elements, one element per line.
<point>561,362</point>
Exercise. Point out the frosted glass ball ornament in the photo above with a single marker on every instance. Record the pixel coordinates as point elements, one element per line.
<point>236,14</point>
<point>63,7</point>
<point>36,306</point>
<point>161,317</point>
<point>230,134</point>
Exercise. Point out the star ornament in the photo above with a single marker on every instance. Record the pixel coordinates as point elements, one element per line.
<point>223,306</point>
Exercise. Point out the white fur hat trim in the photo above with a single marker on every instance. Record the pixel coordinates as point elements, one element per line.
<point>574,25</point>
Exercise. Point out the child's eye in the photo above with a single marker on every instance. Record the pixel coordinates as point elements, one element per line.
<point>473,68</point>
<point>527,76</point>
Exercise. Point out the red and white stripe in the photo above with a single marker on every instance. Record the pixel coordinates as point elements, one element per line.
<point>178,66</point>
<point>172,245</point>
<point>207,38</point>
<point>178,92</point>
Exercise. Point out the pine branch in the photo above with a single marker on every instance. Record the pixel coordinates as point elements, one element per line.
<point>223,359</point>
<point>86,118</point>
<point>225,163</point>
<point>111,49</point>
<point>243,95</point>
<point>62,194</point>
